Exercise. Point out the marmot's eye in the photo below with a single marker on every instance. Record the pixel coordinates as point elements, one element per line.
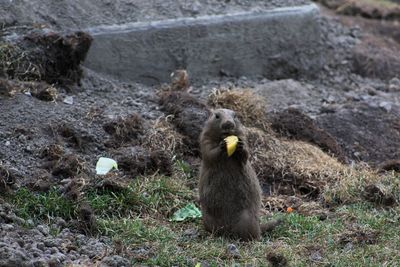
<point>217,116</point>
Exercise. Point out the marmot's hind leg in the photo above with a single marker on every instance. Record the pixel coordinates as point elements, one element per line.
<point>247,227</point>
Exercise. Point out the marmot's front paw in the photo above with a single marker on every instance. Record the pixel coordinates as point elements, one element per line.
<point>241,151</point>
<point>222,146</point>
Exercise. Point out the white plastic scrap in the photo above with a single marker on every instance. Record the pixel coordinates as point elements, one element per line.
<point>104,165</point>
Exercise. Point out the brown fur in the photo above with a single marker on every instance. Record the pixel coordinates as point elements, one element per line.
<point>230,193</point>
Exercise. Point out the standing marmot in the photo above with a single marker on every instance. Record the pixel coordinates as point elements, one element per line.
<point>230,194</point>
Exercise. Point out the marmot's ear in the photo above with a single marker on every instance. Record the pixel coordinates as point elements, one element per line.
<point>209,112</point>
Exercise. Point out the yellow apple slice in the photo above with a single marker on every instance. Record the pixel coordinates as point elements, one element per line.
<point>231,143</point>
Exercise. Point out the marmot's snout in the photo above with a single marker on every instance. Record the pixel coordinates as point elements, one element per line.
<point>228,125</point>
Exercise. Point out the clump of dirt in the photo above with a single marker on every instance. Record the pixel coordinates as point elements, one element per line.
<point>74,188</point>
<point>377,58</point>
<point>137,160</point>
<point>359,182</point>
<point>52,152</point>
<point>179,80</point>
<point>69,165</point>
<point>294,124</point>
<point>291,167</point>
<point>8,88</point>
<point>74,136</point>
<point>365,8</point>
<point>249,107</point>
<point>111,182</point>
<point>125,130</point>
<point>188,116</point>
<point>358,236</point>
<point>376,195</point>
<point>366,133</point>
<point>281,203</point>
<point>390,165</point>
<point>277,260</point>
<point>44,92</point>
<point>7,179</point>
<point>44,55</point>
<point>61,164</point>
<point>86,218</point>
<point>161,135</point>
<point>41,90</point>
<point>41,182</point>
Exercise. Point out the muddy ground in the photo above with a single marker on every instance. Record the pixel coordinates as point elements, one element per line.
<point>56,122</point>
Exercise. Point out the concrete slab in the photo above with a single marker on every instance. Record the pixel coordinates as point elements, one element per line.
<point>275,43</point>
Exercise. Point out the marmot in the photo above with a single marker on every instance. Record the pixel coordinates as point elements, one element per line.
<point>230,193</point>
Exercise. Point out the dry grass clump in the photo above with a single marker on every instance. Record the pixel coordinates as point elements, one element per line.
<point>296,167</point>
<point>161,135</point>
<point>125,130</point>
<point>291,166</point>
<point>249,106</point>
<point>361,182</point>
<point>16,64</point>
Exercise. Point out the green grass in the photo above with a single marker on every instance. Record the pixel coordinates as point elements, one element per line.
<point>152,194</point>
<point>138,217</point>
<point>43,206</point>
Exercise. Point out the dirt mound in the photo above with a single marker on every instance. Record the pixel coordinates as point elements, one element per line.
<point>367,9</point>
<point>161,135</point>
<point>41,90</point>
<point>294,124</point>
<point>377,58</point>
<point>376,195</point>
<point>359,236</point>
<point>366,133</point>
<point>291,167</point>
<point>249,107</point>
<point>43,55</point>
<point>188,116</point>
<point>139,161</point>
<point>8,178</point>
<point>124,130</point>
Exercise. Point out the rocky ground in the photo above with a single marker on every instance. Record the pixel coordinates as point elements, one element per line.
<point>56,121</point>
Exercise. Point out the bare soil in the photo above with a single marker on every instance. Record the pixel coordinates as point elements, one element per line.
<point>55,122</point>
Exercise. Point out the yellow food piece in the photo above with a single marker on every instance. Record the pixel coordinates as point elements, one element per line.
<point>231,143</point>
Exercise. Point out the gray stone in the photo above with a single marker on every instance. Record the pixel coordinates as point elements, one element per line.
<point>277,43</point>
<point>10,257</point>
<point>114,261</point>
<point>7,227</point>
<point>233,251</point>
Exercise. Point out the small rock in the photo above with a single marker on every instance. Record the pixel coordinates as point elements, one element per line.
<point>69,100</point>
<point>44,229</point>
<point>191,233</point>
<point>7,143</point>
<point>61,223</point>
<point>114,261</point>
<point>30,222</point>
<point>387,106</point>
<point>7,227</point>
<point>51,242</point>
<point>233,251</point>
<point>12,257</point>
<point>315,256</point>
<point>394,84</point>
<point>38,263</point>
<point>348,247</point>
<point>41,246</point>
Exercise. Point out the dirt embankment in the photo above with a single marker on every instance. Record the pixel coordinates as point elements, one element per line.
<point>56,119</point>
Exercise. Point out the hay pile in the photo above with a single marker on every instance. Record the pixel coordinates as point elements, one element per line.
<point>249,107</point>
<point>292,167</point>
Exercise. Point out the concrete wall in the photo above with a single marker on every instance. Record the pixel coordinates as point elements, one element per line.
<point>277,43</point>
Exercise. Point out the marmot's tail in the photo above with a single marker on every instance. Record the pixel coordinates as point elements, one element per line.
<point>269,226</point>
